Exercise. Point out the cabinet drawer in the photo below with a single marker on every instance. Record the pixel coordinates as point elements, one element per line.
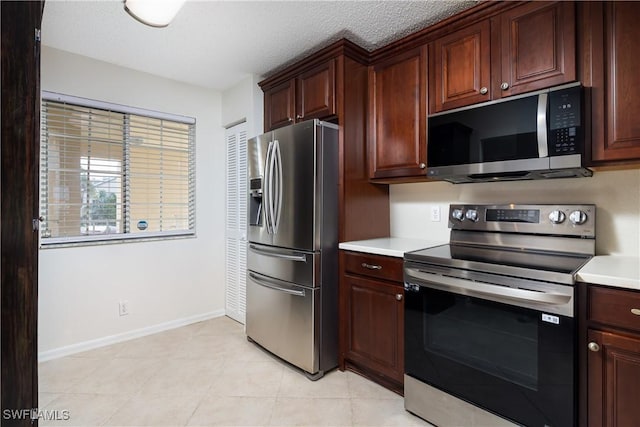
<point>615,307</point>
<point>377,266</point>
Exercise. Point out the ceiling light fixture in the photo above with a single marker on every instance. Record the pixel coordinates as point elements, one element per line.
<point>155,13</point>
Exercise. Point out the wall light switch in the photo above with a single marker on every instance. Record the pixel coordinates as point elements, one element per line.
<point>435,213</point>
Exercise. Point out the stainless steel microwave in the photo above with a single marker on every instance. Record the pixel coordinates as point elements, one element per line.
<point>532,136</point>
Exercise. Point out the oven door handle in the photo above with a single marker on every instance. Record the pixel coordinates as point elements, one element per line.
<point>479,289</point>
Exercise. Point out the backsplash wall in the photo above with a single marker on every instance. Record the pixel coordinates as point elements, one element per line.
<point>616,195</point>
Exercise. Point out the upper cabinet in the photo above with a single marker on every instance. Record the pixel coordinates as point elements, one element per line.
<point>525,48</point>
<point>611,43</point>
<point>397,115</point>
<point>309,95</point>
<point>460,67</point>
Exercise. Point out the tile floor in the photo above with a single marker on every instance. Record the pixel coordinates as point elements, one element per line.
<point>206,374</point>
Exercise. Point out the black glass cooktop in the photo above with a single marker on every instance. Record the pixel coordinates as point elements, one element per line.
<point>505,261</point>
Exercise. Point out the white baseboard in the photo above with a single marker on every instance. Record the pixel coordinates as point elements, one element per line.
<point>68,350</point>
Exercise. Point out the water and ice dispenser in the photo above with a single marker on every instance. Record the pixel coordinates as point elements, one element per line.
<point>255,201</point>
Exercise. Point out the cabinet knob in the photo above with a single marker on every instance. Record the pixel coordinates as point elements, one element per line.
<point>483,91</point>
<point>504,86</point>
<point>289,119</point>
<point>298,116</point>
<point>399,297</point>
<point>593,346</point>
<point>423,166</point>
<point>635,311</point>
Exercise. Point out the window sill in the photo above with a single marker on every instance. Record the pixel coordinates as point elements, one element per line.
<point>113,239</point>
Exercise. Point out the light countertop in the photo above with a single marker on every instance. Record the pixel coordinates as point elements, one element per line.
<point>389,246</point>
<point>612,270</point>
<point>608,270</point>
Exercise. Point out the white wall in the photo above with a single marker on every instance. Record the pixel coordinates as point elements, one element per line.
<point>165,282</point>
<point>244,101</point>
<point>616,195</point>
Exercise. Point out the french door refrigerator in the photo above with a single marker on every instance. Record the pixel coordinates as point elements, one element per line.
<point>292,249</point>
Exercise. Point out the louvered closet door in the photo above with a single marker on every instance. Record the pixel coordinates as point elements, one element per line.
<point>236,220</point>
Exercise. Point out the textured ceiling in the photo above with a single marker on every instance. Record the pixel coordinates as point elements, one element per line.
<point>216,44</point>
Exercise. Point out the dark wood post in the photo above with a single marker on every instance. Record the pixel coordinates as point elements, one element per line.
<point>20,153</point>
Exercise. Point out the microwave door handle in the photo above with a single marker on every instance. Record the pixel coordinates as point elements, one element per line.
<point>543,150</point>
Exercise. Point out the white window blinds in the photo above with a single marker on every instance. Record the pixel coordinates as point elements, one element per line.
<point>114,172</point>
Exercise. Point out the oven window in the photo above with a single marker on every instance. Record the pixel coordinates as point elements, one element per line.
<point>493,338</point>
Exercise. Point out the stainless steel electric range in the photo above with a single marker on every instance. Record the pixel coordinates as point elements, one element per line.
<point>490,335</point>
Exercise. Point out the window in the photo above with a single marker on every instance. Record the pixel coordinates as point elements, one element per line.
<point>110,172</point>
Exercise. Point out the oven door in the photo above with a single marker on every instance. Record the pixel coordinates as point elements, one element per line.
<point>516,362</point>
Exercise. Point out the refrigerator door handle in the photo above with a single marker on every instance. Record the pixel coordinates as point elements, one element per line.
<point>299,258</point>
<point>267,190</point>
<point>279,181</point>
<point>263,282</point>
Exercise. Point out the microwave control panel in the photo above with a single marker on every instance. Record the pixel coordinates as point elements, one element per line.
<point>565,124</point>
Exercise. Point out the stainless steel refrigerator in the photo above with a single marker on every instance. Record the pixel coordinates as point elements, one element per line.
<point>292,250</point>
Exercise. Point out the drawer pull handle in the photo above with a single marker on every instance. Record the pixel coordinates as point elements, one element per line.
<point>372,266</point>
<point>635,311</point>
<point>399,297</point>
<point>593,346</point>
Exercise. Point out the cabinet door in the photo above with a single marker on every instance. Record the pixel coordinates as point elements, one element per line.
<point>279,105</point>
<point>537,47</point>
<point>375,325</point>
<point>612,56</point>
<point>316,92</point>
<point>614,380</point>
<point>397,128</point>
<point>459,68</point>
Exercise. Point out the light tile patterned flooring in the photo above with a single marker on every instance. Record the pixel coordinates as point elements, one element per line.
<point>206,374</point>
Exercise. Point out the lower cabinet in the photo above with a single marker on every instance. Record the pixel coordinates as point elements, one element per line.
<point>372,318</point>
<point>613,357</point>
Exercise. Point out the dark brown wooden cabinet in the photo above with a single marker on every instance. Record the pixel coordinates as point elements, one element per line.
<point>527,47</point>
<point>279,105</point>
<point>612,348</point>
<point>309,95</point>
<point>397,115</point>
<point>372,318</point>
<point>460,68</point>
<point>610,61</point>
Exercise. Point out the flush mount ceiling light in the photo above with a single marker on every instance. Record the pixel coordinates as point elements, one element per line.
<point>155,13</point>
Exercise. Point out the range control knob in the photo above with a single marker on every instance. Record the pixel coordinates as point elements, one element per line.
<point>472,215</point>
<point>457,214</point>
<point>578,217</point>
<point>557,217</point>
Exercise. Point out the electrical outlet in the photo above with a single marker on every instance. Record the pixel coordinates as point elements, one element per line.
<point>123,308</point>
<point>435,213</point>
